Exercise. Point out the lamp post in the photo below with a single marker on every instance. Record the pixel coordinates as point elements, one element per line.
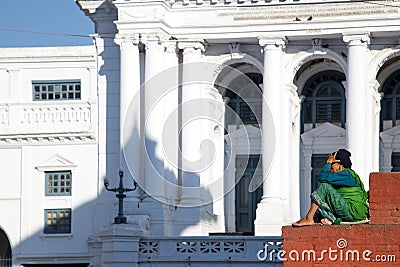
<point>120,190</point>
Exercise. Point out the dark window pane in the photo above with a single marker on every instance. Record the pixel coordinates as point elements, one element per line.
<point>56,90</point>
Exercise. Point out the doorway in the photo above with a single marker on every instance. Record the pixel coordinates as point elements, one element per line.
<point>245,201</point>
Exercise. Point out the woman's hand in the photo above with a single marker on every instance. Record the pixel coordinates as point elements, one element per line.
<point>332,158</point>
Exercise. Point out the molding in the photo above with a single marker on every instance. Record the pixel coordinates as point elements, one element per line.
<point>44,139</point>
<point>56,162</point>
<point>325,130</point>
<point>247,131</point>
<point>395,131</point>
<point>302,57</point>
<point>192,45</point>
<point>362,39</point>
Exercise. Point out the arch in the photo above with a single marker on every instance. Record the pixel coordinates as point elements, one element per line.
<point>304,56</point>
<point>5,249</point>
<point>391,98</point>
<point>380,59</point>
<point>325,99</point>
<point>226,60</point>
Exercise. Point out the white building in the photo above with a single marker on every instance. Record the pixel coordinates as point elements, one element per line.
<point>186,96</point>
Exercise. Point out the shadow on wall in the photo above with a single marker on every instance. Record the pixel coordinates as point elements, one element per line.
<point>72,249</point>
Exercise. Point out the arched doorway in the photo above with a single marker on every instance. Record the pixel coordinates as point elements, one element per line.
<point>5,250</point>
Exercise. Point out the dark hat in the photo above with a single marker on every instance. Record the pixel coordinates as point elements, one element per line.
<point>344,156</point>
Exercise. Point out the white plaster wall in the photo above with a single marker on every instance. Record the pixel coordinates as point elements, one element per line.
<point>29,148</point>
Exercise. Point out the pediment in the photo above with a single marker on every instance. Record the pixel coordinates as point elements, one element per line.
<point>327,129</point>
<point>246,131</point>
<point>391,132</point>
<point>55,162</point>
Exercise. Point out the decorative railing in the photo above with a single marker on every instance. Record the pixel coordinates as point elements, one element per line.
<point>42,117</point>
<point>56,114</point>
<point>245,2</point>
<point>240,250</point>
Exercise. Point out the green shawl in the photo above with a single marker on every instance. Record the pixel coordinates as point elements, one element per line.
<point>356,198</point>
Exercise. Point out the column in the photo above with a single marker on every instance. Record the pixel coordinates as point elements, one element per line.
<point>154,117</point>
<point>374,100</point>
<point>130,110</point>
<point>191,216</point>
<point>356,103</point>
<point>387,150</point>
<point>305,182</point>
<point>292,149</point>
<point>190,129</point>
<point>270,211</point>
<point>171,131</point>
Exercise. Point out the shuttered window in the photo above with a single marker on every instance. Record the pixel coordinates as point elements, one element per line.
<point>249,110</point>
<point>324,99</point>
<point>390,107</point>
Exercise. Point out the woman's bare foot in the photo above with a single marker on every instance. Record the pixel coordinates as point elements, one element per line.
<point>326,221</point>
<point>303,222</point>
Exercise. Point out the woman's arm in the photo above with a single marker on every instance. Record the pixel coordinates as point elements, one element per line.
<point>341,178</point>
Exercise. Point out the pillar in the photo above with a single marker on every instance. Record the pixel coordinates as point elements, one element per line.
<point>191,214</point>
<point>374,103</point>
<point>356,104</point>
<point>120,242</point>
<point>171,131</point>
<point>130,108</point>
<point>270,211</point>
<point>190,129</point>
<point>153,118</point>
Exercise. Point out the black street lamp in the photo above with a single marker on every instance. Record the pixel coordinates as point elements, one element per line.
<point>120,195</point>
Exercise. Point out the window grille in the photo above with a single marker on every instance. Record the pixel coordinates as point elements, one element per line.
<point>57,221</point>
<point>325,99</point>
<point>58,183</point>
<point>56,90</point>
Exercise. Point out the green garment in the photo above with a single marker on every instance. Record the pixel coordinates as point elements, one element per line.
<point>331,204</point>
<point>356,198</point>
<point>345,203</point>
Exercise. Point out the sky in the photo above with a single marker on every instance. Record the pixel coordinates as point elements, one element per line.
<point>32,23</point>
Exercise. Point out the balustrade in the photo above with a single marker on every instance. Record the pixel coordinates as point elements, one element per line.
<point>39,118</point>
<point>242,250</point>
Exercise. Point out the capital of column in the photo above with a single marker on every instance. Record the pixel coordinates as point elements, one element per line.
<point>272,42</point>
<point>192,46</point>
<point>153,39</point>
<point>357,39</point>
<point>170,46</point>
<point>124,40</point>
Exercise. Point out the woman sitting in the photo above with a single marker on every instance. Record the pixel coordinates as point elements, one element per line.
<point>341,195</point>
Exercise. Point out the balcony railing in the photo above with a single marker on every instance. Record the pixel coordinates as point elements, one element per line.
<point>212,250</point>
<point>34,118</point>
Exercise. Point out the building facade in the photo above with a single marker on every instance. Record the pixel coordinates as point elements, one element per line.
<point>221,111</point>
<point>48,153</point>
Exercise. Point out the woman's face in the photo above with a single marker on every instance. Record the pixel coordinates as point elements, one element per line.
<point>336,167</point>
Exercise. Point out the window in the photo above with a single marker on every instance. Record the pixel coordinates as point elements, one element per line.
<point>58,183</point>
<point>246,113</point>
<point>325,99</point>
<point>391,99</point>
<point>396,162</point>
<point>56,90</point>
<point>57,221</point>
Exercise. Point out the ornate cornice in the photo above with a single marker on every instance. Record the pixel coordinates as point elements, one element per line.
<point>48,139</point>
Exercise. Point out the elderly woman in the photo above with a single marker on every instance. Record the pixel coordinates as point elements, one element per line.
<point>341,195</point>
